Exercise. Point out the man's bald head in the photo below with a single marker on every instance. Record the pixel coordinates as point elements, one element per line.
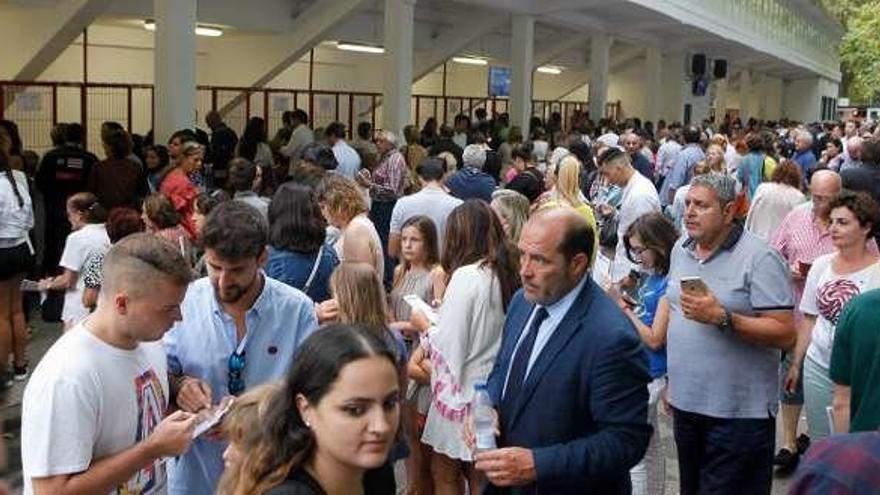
<point>555,250</point>
<point>825,185</point>
<point>568,228</point>
<point>826,179</point>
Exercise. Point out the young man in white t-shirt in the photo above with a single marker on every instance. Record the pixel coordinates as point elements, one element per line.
<point>639,198</point>
<point>93,417</point>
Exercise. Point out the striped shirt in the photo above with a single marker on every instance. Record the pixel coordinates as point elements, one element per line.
<point>801,239</point>
<point>389,178</point>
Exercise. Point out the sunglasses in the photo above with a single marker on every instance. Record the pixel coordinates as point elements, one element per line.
<point>236,363</point>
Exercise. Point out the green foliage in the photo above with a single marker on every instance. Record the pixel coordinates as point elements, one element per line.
<point>860,47</point>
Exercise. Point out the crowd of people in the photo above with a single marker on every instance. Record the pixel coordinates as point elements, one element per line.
<point>316,314</point>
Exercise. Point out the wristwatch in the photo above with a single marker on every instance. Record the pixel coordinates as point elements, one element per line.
<point>726,323</point>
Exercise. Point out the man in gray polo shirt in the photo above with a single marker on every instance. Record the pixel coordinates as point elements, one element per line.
<point>724,345</point>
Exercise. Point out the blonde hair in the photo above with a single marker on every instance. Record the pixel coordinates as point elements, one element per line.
<point>341,196</point>
<point>241,426</point>
<point>359,294</point>
<point>568,178</point>
<point>514,207</point>
<point>721,167</point>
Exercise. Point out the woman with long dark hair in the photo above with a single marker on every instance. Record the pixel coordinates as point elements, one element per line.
<point>334,418</point>
<point>462,346</point>
<point>254,147</point>
<point>16,258</point>
<point>298,254</point>
<point>10,144</point>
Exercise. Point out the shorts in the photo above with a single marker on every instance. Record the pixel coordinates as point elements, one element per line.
<point>791,399</point>
<point>16,260</point>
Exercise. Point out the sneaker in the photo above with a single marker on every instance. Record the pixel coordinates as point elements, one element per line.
<point>20,374</point>
<point>803,443</point>
<point>786,460</point>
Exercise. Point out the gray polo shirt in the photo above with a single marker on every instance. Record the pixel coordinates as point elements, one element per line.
<point>720,374</point>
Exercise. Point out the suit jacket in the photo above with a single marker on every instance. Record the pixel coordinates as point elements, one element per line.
<point>583,407</point>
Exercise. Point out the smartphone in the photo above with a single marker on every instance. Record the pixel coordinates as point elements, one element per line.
<point>694,285</point>
<point>416,302</point>
<point>628,300</point>
<point>804,268</point>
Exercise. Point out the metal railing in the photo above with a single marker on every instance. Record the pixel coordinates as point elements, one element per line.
<point>37,106</point>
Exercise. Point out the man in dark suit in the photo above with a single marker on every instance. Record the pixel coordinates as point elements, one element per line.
<point>570,381</point>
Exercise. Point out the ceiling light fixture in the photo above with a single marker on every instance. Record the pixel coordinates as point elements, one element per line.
<point>358,47</point>
<point>550,69</point>
<point>150,25</point>
<point>470,60</point>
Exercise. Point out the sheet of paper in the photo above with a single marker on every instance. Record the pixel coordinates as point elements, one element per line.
<point>212,417</point>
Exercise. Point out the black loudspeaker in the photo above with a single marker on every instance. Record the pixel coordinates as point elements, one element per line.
<point>720,69</point>
<point>698,64</point>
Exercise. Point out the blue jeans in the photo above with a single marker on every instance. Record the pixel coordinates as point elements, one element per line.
<point>722,456</point>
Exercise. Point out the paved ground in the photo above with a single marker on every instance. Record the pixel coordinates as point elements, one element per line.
<point>44,334</point>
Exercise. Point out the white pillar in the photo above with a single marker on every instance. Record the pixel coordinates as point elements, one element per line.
<point>397,88</point>
<point>522,50</point>
<point>600,46</point>
<point>653,83</point>
<point>721,91</point>
<point>745,96</point>
<point>760,106</point>
<point>175,66</point>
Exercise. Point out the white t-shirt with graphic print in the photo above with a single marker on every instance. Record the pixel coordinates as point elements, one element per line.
<point>825,295</point>
<point>88,400</point>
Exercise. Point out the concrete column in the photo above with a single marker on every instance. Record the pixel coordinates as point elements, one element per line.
<point>522,50</point>
<point>760,107</point>
<point>721,91</point>
<point>175,66</point>
<point>600,47</point>
<point>653,78</point>
<point>746,110</point>
<point>397,88</point>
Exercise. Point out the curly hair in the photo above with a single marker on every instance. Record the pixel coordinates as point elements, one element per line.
<point>862,206</point>
<point>341,196</point>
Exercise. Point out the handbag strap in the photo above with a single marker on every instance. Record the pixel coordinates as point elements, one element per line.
<point>311,278</point>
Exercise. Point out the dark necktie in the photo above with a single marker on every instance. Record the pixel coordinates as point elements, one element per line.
<point>521,358</point>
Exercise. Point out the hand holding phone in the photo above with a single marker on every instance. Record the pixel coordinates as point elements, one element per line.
<point>417,303</point>
<point>694,286</point>
<point>804,268</point>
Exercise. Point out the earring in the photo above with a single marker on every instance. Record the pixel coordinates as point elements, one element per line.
<point>308,424</point>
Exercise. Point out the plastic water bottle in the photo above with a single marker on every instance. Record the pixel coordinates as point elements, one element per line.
<point>484,418</point>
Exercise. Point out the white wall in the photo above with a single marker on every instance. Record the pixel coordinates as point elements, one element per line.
<point>803,97</point>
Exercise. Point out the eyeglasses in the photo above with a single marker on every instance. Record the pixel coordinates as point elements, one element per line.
<point>236,366</point>
<point>637,251</point>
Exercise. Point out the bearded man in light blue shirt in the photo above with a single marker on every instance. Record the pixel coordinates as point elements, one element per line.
<point>240,329</point>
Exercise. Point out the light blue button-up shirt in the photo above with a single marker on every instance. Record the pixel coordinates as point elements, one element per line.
<point>555,313</point>
<point>200,346</point>
<point>682,171</point>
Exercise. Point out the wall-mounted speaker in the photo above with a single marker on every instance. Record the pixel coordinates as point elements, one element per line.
<point>698,64</point>
<point>720,69</point>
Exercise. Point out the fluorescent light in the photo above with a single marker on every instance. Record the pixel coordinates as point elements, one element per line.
<point>550,69</point>
<point>470,60</point>
<point>357,47</point>
<point>208,31</point>
<point>150,25</point>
